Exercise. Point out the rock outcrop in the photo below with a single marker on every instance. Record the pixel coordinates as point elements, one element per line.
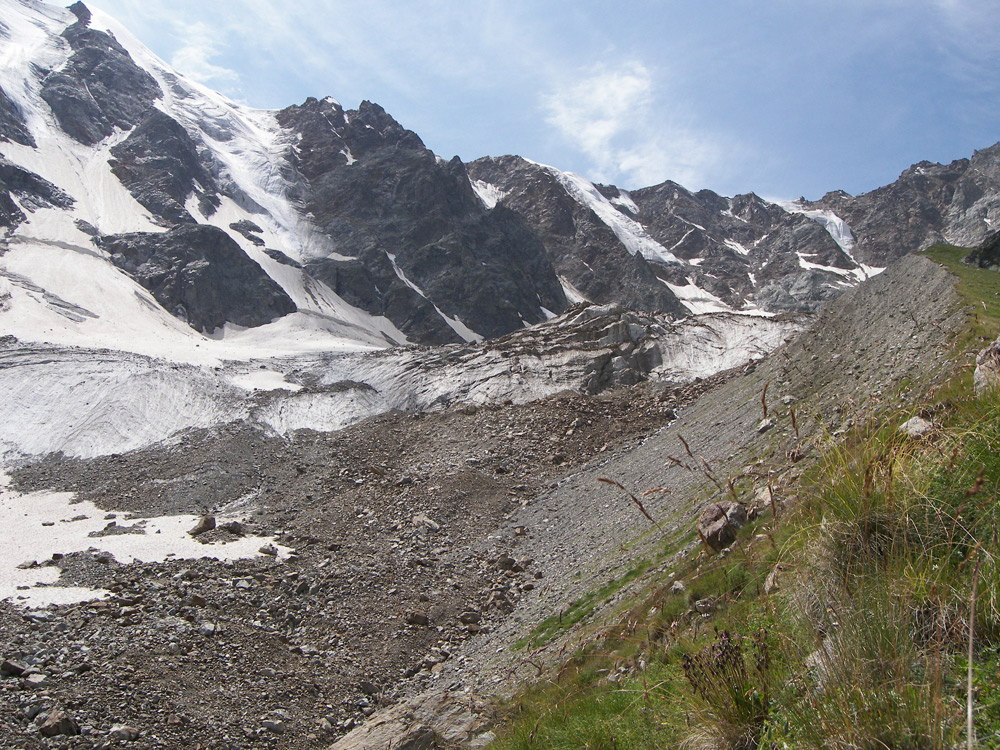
<point>29,190</point>
<point>987,374</point>
<point>987,255</point>
<point>160,165</point>
<point>413,241</point>
<point>100,87</point>
<point>200,275</point>
<point>12,125</point>
<point>583,249</point>
<point>929,203</point>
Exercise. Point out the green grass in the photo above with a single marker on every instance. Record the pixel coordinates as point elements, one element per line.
<point>978,287</point>
<point>558,624</point>
<point>891,555</point>
<point>584,709</point>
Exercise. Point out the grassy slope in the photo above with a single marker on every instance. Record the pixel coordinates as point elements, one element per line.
<point>862,637</point>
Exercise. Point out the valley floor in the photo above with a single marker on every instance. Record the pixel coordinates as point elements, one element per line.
<point>467,549</point>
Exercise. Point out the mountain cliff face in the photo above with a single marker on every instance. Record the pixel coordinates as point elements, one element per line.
<point>412,239</point>
<point>929,203</point>
<point>348,226</point>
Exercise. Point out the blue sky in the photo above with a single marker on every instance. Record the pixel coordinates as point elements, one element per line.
<point>780,97</point>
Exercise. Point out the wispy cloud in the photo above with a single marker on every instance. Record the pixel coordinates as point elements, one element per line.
<point>195,57</point>
<point>618,119</point>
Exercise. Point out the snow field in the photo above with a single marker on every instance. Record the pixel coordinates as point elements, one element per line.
<point>39,524</point>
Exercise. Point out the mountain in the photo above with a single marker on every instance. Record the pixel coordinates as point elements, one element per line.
<point>342,224</point>
<point>301,419</point>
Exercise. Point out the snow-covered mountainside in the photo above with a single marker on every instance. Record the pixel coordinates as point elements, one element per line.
<point>174,202</point>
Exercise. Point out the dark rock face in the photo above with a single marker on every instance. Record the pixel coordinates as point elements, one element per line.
<point>31,191</point>
<point>100,87</point>
<point>582,248</point>
<point>281,258</point>
<point>12,125</point>
<point>419,243</point>
<point>250,230</point>
<point>929,203</point>
<point>987,255</point>
<point>731,248</point>
<point>160,166</point>
<point>201,275</point>
<point>796,292</point>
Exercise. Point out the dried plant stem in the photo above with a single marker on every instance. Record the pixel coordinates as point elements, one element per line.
<point>970,730</point>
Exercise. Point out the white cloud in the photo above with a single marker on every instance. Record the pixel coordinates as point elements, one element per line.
<point>194,58</point>
<point>615,117</point>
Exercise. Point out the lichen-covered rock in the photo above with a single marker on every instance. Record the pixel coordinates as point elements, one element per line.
<point>916,427</point>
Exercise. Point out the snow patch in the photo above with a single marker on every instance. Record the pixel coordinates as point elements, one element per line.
<point>489,194</point>
<point>39,524</point>
<point>734,245</point>
<point>696,299</point>
<point>573,295</point>
<point>628,231</point>
<point>624,200</point>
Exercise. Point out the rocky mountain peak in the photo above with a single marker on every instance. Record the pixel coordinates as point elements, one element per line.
<point>100,87</point>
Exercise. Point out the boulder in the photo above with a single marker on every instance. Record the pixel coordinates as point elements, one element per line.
<point>205,523</point>
<point>916,427</point>
<point>719,523</point>
<point>432,719</point>
<point>59,723</point>
<point>987,375</point>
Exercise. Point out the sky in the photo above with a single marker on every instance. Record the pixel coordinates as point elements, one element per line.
<point>784,98</point>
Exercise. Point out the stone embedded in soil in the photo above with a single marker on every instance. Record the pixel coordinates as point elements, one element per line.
<point>421,520</point>
<point>417,618</point>
<point>719,523</point>
<point>124,732</point>
<point>59,723</point>
<point>205,523</point>
<point>234,527</point>
<point>35,681</point>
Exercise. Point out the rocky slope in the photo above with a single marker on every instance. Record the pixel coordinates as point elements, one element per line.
<point>424,544</point>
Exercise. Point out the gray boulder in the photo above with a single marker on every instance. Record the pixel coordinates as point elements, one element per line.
<point>720,521</point>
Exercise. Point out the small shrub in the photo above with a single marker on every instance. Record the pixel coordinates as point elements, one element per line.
<point>730,682</point>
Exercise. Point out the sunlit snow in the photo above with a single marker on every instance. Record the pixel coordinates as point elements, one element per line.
<point>38,525</point>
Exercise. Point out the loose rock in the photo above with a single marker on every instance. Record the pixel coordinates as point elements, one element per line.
<point>205,523</point>
<point>59,723</point>
<point>719,523</point>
